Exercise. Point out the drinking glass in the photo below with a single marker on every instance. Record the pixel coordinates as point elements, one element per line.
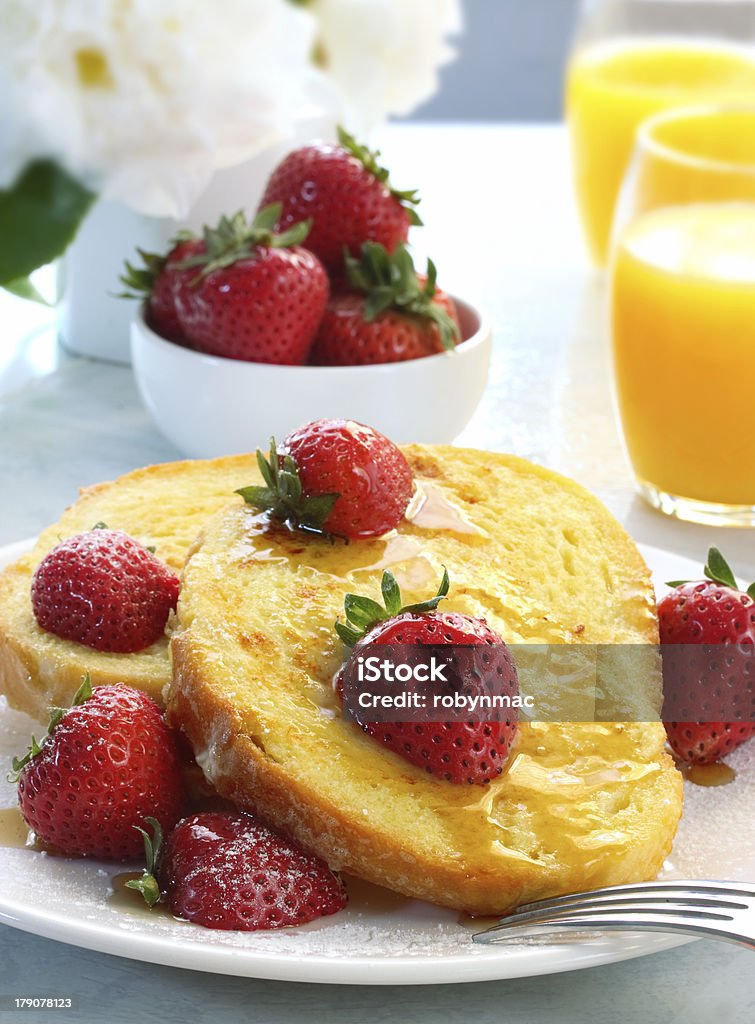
<point>634,58</point>
<point>682,296</point>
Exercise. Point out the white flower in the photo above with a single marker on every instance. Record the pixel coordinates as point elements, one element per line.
<point>144,99</point>
<point>383,55</point>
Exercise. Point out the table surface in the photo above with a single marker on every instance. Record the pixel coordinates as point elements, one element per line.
<point>502,229</point>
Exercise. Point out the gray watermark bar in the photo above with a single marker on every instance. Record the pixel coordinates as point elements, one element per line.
<point>549,683</point>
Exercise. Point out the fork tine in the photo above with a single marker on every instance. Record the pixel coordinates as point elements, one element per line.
<point>692,888</point>
<point>588,911</point>
<point>633,904</point>
<point>703,924</point>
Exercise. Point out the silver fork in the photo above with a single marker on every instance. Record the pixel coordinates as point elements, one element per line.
<point>707,909</point>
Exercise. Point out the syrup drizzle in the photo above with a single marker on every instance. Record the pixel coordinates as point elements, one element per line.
<point>718,774</point>
<point>430,509</point>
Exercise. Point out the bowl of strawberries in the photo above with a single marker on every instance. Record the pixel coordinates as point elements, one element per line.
<point>312,308</point>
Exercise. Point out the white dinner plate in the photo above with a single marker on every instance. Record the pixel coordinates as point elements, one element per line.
<point>381,938</point>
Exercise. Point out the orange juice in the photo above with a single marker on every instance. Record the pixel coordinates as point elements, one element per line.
<point>612,87</point>
<point>683,322</point>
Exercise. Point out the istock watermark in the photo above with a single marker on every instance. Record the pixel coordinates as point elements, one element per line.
<point>549,683</point>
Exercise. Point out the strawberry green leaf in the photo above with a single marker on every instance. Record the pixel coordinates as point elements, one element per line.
<point>267,218</point>
<point>234,239</point>
<point>718,570</point>
<point>348,635</point>
<point>283,496</point>
<point>408,198</point>
<point>391,593</point>
<point>432,604</point>
<point>751,591</point>
<point>148,885</point>
<point>19,763</point>
<point>139,281</point>
<point>362,613</point>
<point>390,281</point>
<point>39,217</point>
<point>83,693</point>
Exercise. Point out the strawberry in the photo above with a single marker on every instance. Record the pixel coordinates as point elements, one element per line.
<point>104,590</point>
<point>336,477</point>
<point>228,871</point>
<point>159,281</point>
<point>391,314</point>
<point>460,751</point>
<point>254,295</point>
<point>105,764</point>
<point>347,195</point>
<point>707,630</point>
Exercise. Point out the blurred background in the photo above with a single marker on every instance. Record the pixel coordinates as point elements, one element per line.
<point>510,64</point>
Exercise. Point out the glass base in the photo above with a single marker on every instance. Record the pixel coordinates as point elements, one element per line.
<point>708,513</point>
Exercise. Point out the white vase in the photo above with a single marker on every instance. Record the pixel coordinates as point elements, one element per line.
<point>93,321</point>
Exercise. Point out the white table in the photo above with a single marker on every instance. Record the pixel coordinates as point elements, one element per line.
<point>502,229</point>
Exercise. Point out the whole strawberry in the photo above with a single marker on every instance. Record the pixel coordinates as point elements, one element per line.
<point>337,477</point>
<point>707,630</point>
<point>253,295</point>
<point>347,195</point>
<point>228,871</point>
<point>391,314</point>
<point>105,764</point>
<point>104,590</point>
<point>159,282</point>
<point>479,663</point>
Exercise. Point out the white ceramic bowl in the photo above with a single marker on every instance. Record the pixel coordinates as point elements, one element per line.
<point>208,406</point>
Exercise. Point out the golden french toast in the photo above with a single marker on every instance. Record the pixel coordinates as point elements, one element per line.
<point>254,652</point>
<point>164,506</point>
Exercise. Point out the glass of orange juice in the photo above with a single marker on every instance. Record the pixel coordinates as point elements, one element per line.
<point>682,287</point>
<point>632,59</point>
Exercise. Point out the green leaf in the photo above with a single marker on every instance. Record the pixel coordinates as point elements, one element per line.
<point>347,634</point>
<point>83,693</point>
<point>408,198</point>
<point>391,593</point>
<point>148,885</point>
<point>718,570</point>
<point>390,281</point>
<point>267,218</point>
<point>362,613</point>
<point>284,497</point>
<point>139,281</point>
<point>24,289</point>
<point>432,604</point>
<point>751,591</point>
<point>294,235</point>
<point>234,238</point>
<point>39,217</point>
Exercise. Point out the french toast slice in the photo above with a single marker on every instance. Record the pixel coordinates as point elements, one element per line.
<point>254,653</point>
<point>162,506</point>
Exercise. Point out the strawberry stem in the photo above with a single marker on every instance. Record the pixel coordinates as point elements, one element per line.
<point>148,885</point>
<point>83,693</point>
<point>140,280</point>
<point>235,239</point>
<point>362,613</point>
<point>390,281</point>
<point>369,159</point>
<point>718,570</point>
<point>283,496</point>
